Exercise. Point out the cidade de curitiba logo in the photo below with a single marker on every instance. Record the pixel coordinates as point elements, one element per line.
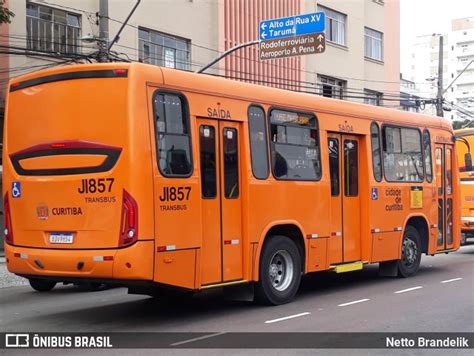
<point>42,212</point>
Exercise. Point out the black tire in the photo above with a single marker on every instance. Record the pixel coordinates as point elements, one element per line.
<point>409,263</point>
<point>463,238</point>
<point>42,285</point>
<point>279,271</point>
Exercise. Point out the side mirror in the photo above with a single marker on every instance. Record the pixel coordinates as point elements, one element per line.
<point>468,162</point>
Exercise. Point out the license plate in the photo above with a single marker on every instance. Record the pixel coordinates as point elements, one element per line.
<point>61,238</point>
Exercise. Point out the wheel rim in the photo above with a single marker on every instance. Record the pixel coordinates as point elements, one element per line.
<point>281,270</point>
<point>409,252</point>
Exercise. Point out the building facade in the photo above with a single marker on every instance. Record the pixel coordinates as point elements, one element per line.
<point>461,46</point>
<point>361,61</point>
<point>409,95</point>
<point>421,67</point>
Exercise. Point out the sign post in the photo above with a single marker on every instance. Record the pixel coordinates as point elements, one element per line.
<point>292,36</point>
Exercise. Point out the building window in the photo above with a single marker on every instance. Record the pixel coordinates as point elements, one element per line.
<point>331,87</point>
<point>372,97</point>
<point>335,25</point>
<point>373,44</point>
<point>163,50</point>
<point>52,30</point>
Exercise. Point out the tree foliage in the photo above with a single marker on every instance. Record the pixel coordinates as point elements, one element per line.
<point>5,14</point>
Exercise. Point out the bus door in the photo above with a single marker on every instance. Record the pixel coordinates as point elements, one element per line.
<point>344,242</point>
<point>444,184</point>
<point>220,163</point>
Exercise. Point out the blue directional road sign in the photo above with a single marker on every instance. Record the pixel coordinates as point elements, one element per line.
<point>292,26</point>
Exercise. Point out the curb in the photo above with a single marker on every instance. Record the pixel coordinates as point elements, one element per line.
<point>2,260</point>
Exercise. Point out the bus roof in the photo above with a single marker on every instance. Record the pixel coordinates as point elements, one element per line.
<point>212,85</point>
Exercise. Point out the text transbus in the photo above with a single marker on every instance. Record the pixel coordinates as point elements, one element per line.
<point>153,178</point>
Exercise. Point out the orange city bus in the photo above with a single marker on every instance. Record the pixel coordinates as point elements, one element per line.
<point>158,179</point>
<point>464,145</point>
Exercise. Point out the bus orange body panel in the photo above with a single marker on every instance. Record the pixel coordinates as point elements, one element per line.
<point>130,172</point>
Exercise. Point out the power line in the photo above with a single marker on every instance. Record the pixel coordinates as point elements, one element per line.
<point>258,61</point>
<point>287,82</point>
<point>217,51</point>
<point>295,85</point>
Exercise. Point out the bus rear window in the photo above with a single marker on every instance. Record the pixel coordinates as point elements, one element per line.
<point>173,143</point>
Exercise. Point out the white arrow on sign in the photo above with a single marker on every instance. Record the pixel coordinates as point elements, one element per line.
<point>263,35</point>
<point>320,37</point>
<point>263,26</point>
<point>320,48</point>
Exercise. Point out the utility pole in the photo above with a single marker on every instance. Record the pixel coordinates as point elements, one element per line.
<point>103,30</point>
<point>439,96</point>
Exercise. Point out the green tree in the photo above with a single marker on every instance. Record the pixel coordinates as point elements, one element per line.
<point>5,14</point>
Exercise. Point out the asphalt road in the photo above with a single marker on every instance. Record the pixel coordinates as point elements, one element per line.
<point>439,298</point>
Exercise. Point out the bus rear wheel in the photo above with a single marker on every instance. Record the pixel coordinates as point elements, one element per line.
<point>42,285</point>
<point>409,264</point>
<point>279,271</point>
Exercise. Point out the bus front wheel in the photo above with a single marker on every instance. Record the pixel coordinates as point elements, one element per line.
<point>279,271</point>
<point>409,264</point>
<point>42,285</point>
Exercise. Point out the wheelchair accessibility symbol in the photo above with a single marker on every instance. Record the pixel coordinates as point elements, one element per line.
<point>16,189</point>
<point>375,194</point>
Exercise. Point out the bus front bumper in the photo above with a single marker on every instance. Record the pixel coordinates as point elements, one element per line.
<point>134,262</point>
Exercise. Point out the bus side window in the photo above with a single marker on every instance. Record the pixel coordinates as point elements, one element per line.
<point>333,147</point>
<point>351,164</point>
<point>294,146</point>
<point>376,154</point>
<point>258,142</point>
<point>173,146</point>
<point>449,172</point>
<point>427,153</point>
<point>207,144</point>
<point>231,163</point>
<point>402,154</point>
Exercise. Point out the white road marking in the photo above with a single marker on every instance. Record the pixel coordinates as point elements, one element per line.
<point>287,317</point>
<point>408,289</point>
<point>354,302</point>
<point>451,280</point>
<point>196,339</point>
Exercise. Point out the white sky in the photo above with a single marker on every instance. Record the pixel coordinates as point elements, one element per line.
<point>423,17</point>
